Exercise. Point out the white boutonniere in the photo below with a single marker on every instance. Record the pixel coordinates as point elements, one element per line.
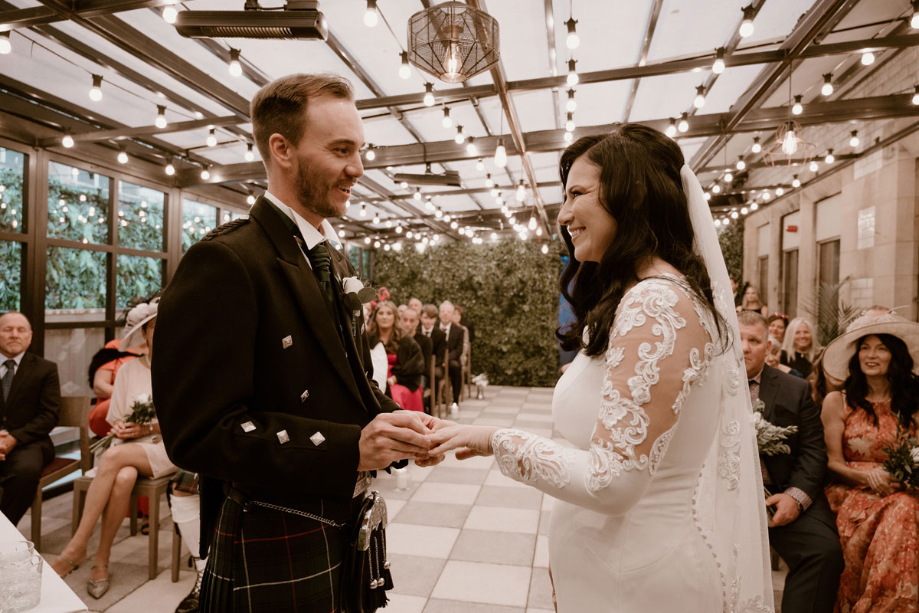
<point>356,293</point>
<point>770,438</point>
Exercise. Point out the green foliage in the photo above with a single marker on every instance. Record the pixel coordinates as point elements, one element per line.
<point>830,312</point>
<point>10,251</point>
<point>10,275</point>
<point>10,199</point>
<point>509,291</point>
<point>197,220</point>
<point>731,240</point>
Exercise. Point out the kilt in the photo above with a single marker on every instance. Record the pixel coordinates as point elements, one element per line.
<point>267,560</point>
<point>184,481</point>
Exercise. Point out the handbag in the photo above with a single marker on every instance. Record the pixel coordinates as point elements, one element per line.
<point>365,576</point>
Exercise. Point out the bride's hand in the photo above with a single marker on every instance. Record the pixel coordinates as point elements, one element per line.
<point>469,441</point>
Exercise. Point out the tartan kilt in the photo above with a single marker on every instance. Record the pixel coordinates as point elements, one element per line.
<point>184,481</point>
<point>267,560</point>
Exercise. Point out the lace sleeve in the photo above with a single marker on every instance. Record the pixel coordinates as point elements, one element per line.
<point>657,349</point>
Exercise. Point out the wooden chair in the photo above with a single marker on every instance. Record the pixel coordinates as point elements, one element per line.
<point>467,365</point>
<point>74,413</point>
<point>153,489</point>
<point>432,384</point>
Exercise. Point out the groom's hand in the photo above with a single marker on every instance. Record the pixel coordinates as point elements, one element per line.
<point>391,437</point>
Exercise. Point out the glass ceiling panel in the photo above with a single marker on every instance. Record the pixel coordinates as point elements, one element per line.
<point>692,27</point>
<point>611,33</point>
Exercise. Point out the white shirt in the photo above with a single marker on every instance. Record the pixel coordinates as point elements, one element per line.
<point>3,359</point>
<point>427,331</point>
<point>446,329</point>
<point>311,236</point>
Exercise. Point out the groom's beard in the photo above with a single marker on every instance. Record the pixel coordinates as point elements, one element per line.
<point>315,194</point>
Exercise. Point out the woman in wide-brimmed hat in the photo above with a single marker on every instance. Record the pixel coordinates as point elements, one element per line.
<point>878,521</point>
<point>138,450</point>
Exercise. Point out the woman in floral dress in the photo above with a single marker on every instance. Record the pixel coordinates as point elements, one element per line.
<point>878,521</point>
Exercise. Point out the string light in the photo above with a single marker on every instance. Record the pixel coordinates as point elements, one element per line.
<point>460,138</point>
<point>746,26</point>
<point>744,210</point>
<point>767,195</point>
<point>718,66</point>
<point>447,121</point>
<point>67,141</point>
<point>95,93</point>
<point>170,169</point>
<point>5,45</point>
<point>429,94</point>
<point>569,136</point>
<point>756,148</point>
<point>250,199</point>
<point>741,164</point>
<point>916,97</point>
<point>754,206</point>
<point>830,158</point>
<point>376,219</point>
<point>370,154</point>
<point>780,191</point>
<point>250,154</point>
<point>212,138</point>
<point>235,68</point>
<point>160,121</point>
<point>854,141</point>
<point>545,249</point>
<point>417,194</point>
<point>734,215</point>
<point>569,123</point>
<point>403,185</point>
<point>205,174</point>
<point>521,192</point>
<point>827,88</point>
<point>914,20</point>
<point>480,164</point>
<point>532,223</point>
<point>699,101</point>
<point>798,108</point>
<point>122,157</point>
<point>471,148</point>
<point>671,129</point>
<point>500,155</point>
<point>716,189</point>
<point>707,195</point>
<point>363,210</point>
<point>790,142</point>
<point>571,105</point>
<point>814,166</point>
<point>867,57</point>
<point>398,229</point>
<point>572,41</point>
<point>728,177</point>
<point>489,182</point>
<point>572,73</point>
<point>170,14</point>
<point>796,182</point>
<point>405,71</point>
<point>371,17</point>
<point>684,122</point>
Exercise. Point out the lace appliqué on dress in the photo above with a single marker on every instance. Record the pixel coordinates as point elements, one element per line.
<point>529,458</point>
<point>660,448</point>
<point>729,454</point>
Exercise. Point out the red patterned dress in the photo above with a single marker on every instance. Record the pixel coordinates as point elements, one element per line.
<point>879,535</point>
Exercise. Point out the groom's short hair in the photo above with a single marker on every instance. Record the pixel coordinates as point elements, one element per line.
<point>280,106</point>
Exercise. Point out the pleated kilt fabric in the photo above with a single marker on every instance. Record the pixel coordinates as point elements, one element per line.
<point>267,560</point>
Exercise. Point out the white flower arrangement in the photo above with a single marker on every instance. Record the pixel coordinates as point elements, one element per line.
<point>769,437</point>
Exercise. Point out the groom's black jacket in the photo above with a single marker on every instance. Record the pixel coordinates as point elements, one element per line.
<point>244,339</point>
<point>787,402</point>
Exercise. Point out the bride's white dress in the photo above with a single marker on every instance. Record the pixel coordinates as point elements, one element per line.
<point>624,536</point>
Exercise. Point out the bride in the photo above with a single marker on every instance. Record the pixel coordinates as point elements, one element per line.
<point>659,503</point>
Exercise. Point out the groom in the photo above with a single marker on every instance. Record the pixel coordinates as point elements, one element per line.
<point>260,380</point>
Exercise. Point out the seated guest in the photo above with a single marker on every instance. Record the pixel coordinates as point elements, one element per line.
<point>401,309</point>
<point>455,335</point>
<point>406,362</point>
<point>185,505</point>
<point>774,355</point>
<point>409,323</point>
<point>800,347</point>
<point>438,338</point>
<point>415,305</point>
<point>458,313</point>
<point>878,520</point>
<point>102,371</point>
<point>751,301</point>
<point>802,528</point>
<point>29,410</point>
<point>778,323</point>
<point>822,383</point>
<point>138,450</point>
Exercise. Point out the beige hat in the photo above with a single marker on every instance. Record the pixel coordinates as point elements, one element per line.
<point>137,317</point>
<point>838,353</point>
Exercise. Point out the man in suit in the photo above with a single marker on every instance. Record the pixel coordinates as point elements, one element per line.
<point>260,378</point>
<point>415,304</point>
<point>430,329</point>
<point>30,403</point>
<point>409,324</point>
<point>454,334</point>
<point>802,528</point>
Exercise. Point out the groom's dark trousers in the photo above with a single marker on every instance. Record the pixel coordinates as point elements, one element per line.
<point>809,545</point>
<point>260,387</point>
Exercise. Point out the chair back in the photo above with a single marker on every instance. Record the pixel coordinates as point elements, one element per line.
<point>74,413</point>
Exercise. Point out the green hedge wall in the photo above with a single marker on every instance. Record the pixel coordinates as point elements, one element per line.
<point>731,239</point>
<point>510,293</point>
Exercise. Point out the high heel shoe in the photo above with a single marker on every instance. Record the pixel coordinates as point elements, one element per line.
<point>98,587</point>
<point>73,566</point>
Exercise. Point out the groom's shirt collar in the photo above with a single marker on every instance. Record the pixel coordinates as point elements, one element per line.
<point>311,236</point>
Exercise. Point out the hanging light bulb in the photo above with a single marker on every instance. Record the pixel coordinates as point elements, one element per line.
<point>718,66</point>
<point>235,68</point>
<point>398,229</point>
<point>5,45</point>
<point>371,17</point>
<point>250,199</point>
<point>170,13</point>
<point>699,101</point>
<point>726,221</point>
<point>728,177</point>
<point>827,88</point>
<point>480,164</point>
<point>798,108</point>
<point>170,169</point>
<point>717,223</point>
<point>867,57</point>
<point>250,154</point>
<point>756,148</point>
<point>790,142</point>
<point>572,73</point>
<point>403,185</point>
<point>571,105</point>
<point>454,225</point>
<point>95,93</point>
<point>376,219</point>
<point>447,218</point>
<point>429,94</point>
<point>545,249</point>
<point>746,26</point>
<point>122,157</point>
<point>671,129</point>
<point>796,182</point>
<point>212,138</point>
<point>916,97</point>
<point>767,195</point>
<point>569,136</point>
<point>488,181</point>
<point>500,155</point>
<point>539,231</point>
<point>460,138</point>
<point>363,210</point>
<point>417,194</point>
<point>471,148</point>
<point>573,40</point>
<point>521,192</point>
<point>447,121</point>
<point>67,141</point>
<point>854,141</point>
<point>830,158</point>
<point>569,123</point>
<point>205,174</point>
<point>532,223</point>
<point>814,166</point>
<point>708,195</point>
<point>716,189</point>
<point>734,215</point>
<point>744,210</point>
<point>914,20</point>
<point>405,71</point>
<point>741,164</point>
<point>370,154</point>
<point>780,191</point>
<point>684,122</point>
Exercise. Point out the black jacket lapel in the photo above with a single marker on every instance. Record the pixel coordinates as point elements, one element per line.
<point>768,390</point>
<point>21,372</point>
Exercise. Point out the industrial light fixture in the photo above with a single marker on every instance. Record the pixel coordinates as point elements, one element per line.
<point>160,121</point>
<point>572,73</point>
<point>405,71</point>
<point>170,13</point>
<point>212,138</point>
<point>867,57</point>
<point>684,122</point>
<point>798,108</point>
<point>371,16</point>
<point>122,157</point>
<point>827,88</point>
<point>699,101</point>
<point>746,26</point>
<point>460,138</point>
<point>830,158</point>
<point>796,182</point>
<point>854,141</point>
<point>235,68</point>
<point>500,155</point>
<point>429,94</point>
<point>95,93</point>
<point>453,41</point>
<point>67,141</point>
<point>741,164</point>
<point>572,41</point>
<point>5,45</point>
<point>571,105</point>
<point>250,154</point>
<point>718,66</point>
<point>447,121</point>
<point>757,147</point>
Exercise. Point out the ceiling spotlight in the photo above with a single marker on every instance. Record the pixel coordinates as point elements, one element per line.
<point>780,191</point>
<point>371,17</point>
<point>480,164</point>
<point>569,123</point>
<point>170,169</point>
<point>814,166</point>
<point>489,182</point>
<point>122,157</point>
<point>471,148</point>
<point>827,88</point>
<point>572,41</point>
<point>235,68</point>
<point>741,164</point>
<point>718,66</point>
<point>572,73</point>
<point>250,199</point>
<point>405,71</point>
<point>756,148</point>
<point>500,155</point>
<point>447,121</point>
<point>460,138</point>
<point>170,13</point>
<point>205,174</point>
<point>684,122</point>
<point>429,94</point>
<point>571,105</point>
<point>671,129</point>
<point>212,138</point>
<point>796,182</point>
<point>798,108</point>
<point>699,101</point>
<point>746,26</point>
<point>250,154</point>
<point>854,141</point>
<point>67,141</point>
<point>95,93</point>
<point>830,158</point>
<point>867,58</point>
<point>370,154</point>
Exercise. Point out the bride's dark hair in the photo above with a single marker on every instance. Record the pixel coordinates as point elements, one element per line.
<point>641,188</point>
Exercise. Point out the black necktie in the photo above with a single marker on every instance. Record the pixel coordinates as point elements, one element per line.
<point>8,377</point>
<point>321,261</point>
